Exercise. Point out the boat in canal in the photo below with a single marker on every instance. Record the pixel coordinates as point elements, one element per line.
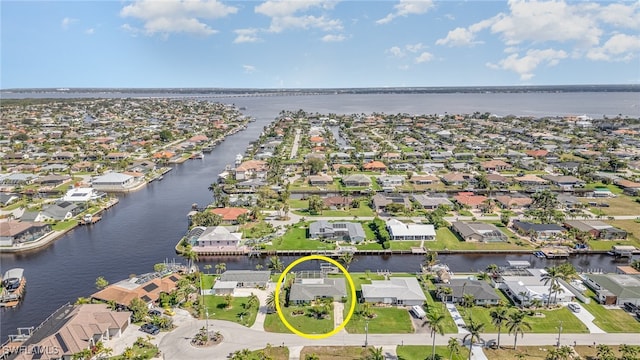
<point>13,287</point>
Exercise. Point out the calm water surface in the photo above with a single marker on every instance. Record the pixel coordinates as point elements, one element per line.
<point>144,227</point>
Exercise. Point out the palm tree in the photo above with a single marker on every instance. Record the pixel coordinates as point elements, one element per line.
<point>227,301</point>
<point>252,301</point>
<point>499,316</point>
<point>430,259</point>
<point>468,300</point>
<point>221,267</point>
<point>629,352</point>
<point>443,292</point>
<point>516,324</point>
<point>604,352</point>
<point>474,330</point>
<point>242,313</point>
<point>375,354</point>
<point>454,347</point>
<point>243,354</point>
<point>275,264</point>
<point>271,301</point>
<point>550,277</point>
<point>434,320</point>
<point>191,255</point>
<point>346,259</point>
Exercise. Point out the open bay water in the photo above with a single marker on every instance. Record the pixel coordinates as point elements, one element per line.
<point>144,227</point>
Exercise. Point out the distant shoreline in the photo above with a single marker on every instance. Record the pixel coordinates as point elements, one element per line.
<point>334,91</point>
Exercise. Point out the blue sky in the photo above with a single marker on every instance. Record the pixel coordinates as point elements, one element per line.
<point>317,43</point>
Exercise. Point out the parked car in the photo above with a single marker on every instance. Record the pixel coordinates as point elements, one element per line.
<point>169,311</point>
<point>154,312</point>
<point>574,307</point>
<point>630,307</point>
<point>150,329</point>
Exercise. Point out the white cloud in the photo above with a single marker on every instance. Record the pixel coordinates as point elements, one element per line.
<point>395,51</point>
<point>333,38</point>
<point>90,31</point>
<point>621,15</point>
<point>424,57</point>
<point>458,37</point>
<point>248,69</point>
<point>66,22</point>
<point>288,14</point>
<point>525,65</point>
<point>246,36</point>
<point>177,16</point>
<point>620,47</point>
<point>406,8</point>
<point>414,47</point>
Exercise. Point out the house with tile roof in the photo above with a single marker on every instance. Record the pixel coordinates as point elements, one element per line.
<point>467,198</point>
<point>375,166</point>
<point>229,214</point>
<point>306,289</point>
<point>146,287</point>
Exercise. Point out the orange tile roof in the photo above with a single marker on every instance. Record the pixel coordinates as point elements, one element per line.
<point>229,213</point>
<point>468,198</point>
<point>537,153</point>
<point>163,154</point>
<point>316,139</point>
<point>375,165</point>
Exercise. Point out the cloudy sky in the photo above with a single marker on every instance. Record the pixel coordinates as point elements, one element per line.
<point>317,43</point>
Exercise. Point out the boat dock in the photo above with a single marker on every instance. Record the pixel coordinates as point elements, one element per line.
<point>89,220</point>
<point>13,287</point>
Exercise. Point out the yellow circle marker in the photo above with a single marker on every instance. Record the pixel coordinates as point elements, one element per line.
<point>351,308</point>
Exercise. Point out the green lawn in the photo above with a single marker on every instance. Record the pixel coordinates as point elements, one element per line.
<point>611,320</point>
<point>448,324</point>
<point>15,205</point>
<point>387,320</point>
<point>363,211</point>
<point>296,239</point>
<point>271,352</point>
<point>216,306</point>
<point>256,230</point>
<point>620,205</point>
<point>613,188</point>
<point>420,352</point>
<point>446,239</point>
<point>304,323</point>
<point>547,324</point>
<point>207,281</point>
<point>64,225</point>
<point>395,245</point>
<point>335,352</point>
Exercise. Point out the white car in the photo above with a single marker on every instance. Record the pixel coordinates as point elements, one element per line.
<point>574,307</point>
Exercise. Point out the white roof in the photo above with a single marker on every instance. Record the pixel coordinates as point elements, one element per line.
<point>225,284</point>
<point>401,288</point>
<point>397,228</point>
<point>112,177</point>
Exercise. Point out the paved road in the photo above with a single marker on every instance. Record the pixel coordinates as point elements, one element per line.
<point>176,344</point>
<point>294,147</point>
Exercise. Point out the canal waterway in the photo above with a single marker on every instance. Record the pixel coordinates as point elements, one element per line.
<point>144,227</point>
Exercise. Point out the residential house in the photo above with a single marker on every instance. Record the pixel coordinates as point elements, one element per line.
<point>395,291</point>
<point>247,278</point>
<point>566,182</point>
<point>469,199</point>
<point>497,180</point>
<point>380,201</point>
<point>320,180</point>
<point>18,232</point>
<point>629,187</point>
<point>374,166</point>
<point>117,156</point>
<point>495,165</point>
<point>348,231</point>
<point>347,167</point>
<point>356,180</point>
<point>146,287</point>
<point>71,330</point>
<point>113,181</point>
<point>597,229</point>
<point>313,286</point>
<point>250,169</point>
<point>457,178</point>
<point>431,202</point>
<point>142,166</point>
<point>483,293</point>
<point>529,285</point>
<point>8,198</point>
<point>220,237</point>
<point>53,180</point>
<point>230,214</point>
<point>478,231</point>
<point>18,179</point>
<point>530,179</point>
<point>424,179</point>
<point>63,210</point>
<point>338,202</point>
<point>538,154</point>
<point>514,201</point>
<point>410,231</point>
<point>539,232</point>
<point>251,185</point>
<point>614,289</point>
<point>390,181</point>
<point>82,195</point>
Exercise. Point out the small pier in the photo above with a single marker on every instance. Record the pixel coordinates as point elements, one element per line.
<point>556,252</point>
<point>90,220</point>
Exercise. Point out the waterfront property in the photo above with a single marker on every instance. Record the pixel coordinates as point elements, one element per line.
<point>347,231</point>
<point>478,231</point>
<point>19,232</point>
<point>597,229</point>
<point>614,289</point>
<point>147,287</point>
<point>395,291</point>
<point>73,329</point>
<point>310,286</point>
<point>482,292</point>
<point>401,231</point>
<point>83,195</point>
<point>528,285</point>
<point>247,278</point>
<point>539,232</point>
<point>214,237</point>
<point>114,182</point>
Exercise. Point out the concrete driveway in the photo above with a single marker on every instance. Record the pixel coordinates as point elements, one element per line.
<point>587,319</point>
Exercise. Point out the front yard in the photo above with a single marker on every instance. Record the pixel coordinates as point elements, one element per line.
<point>611,320</point>
<point>238,312</point>
<point>302,322</point>
<point>547,322</point>
<point>386,320</point>
<point>421,352</point>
